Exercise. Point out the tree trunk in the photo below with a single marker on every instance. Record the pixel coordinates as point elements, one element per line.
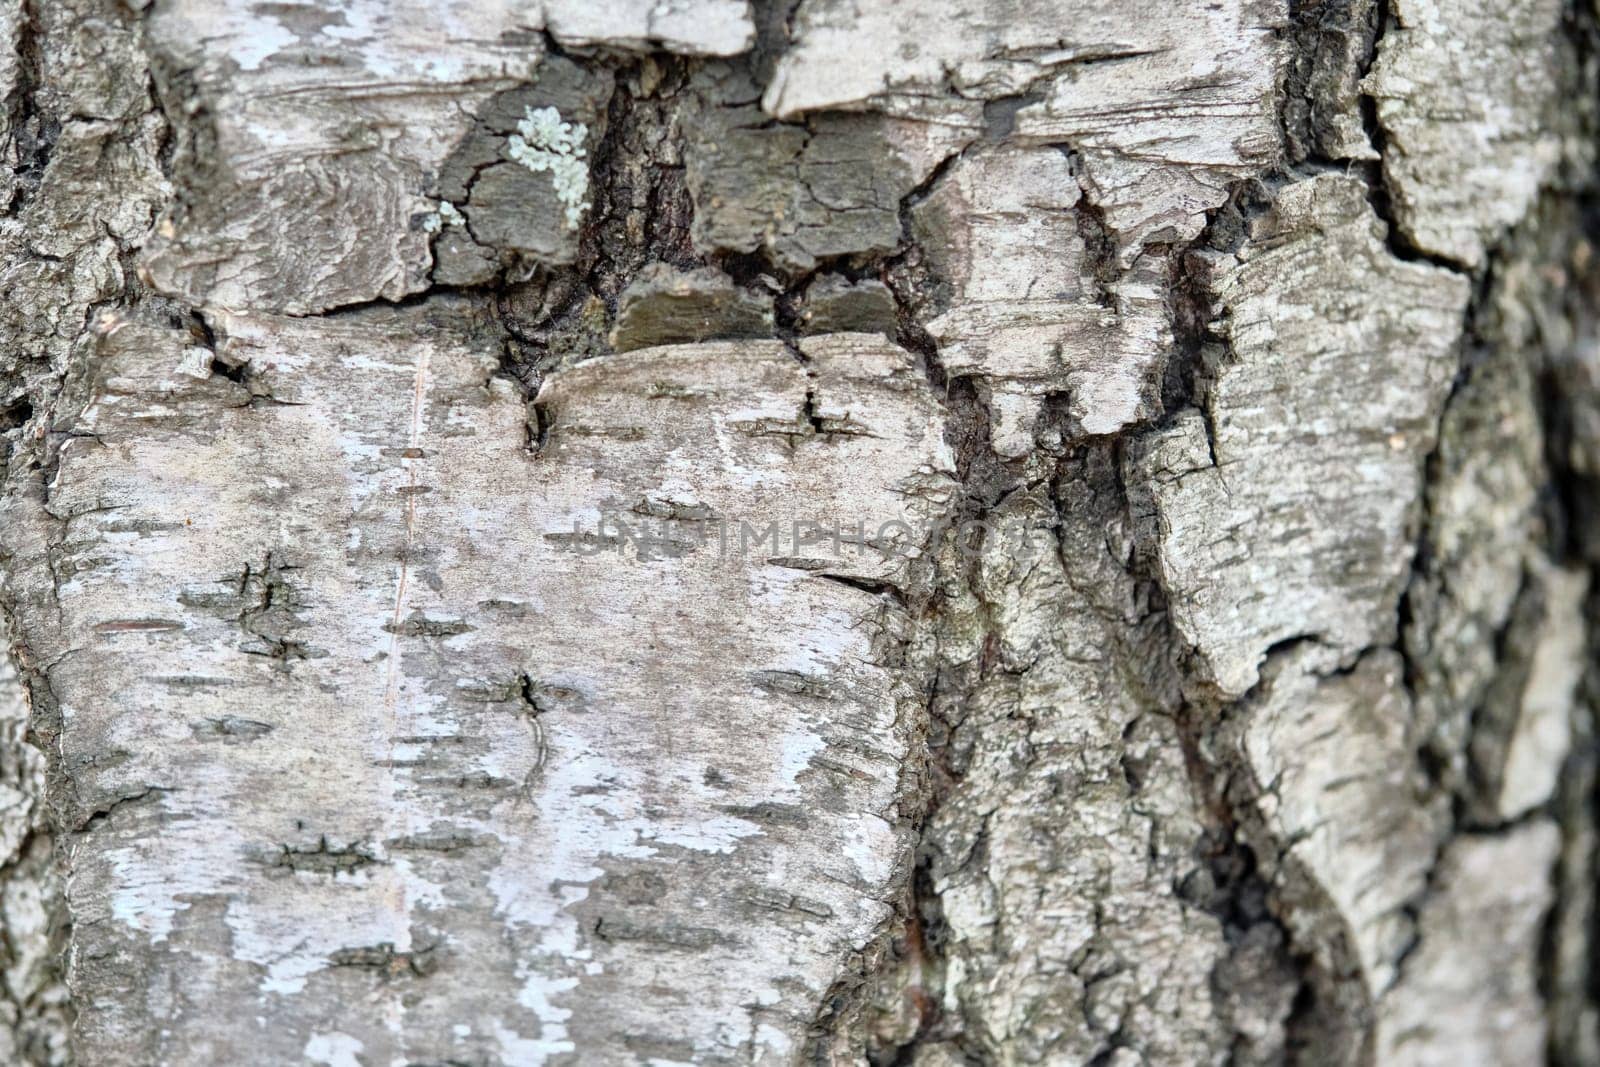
<point>702,532</point>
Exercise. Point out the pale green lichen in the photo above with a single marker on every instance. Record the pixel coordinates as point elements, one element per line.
<point>543,142</point>
<point>447,215</point>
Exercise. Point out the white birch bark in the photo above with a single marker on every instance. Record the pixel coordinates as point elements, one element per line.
<point>1043,531</point>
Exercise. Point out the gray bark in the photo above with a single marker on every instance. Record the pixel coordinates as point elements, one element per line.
<point>1056,531</point>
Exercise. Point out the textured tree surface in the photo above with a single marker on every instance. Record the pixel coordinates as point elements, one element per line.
<point>720,532</point>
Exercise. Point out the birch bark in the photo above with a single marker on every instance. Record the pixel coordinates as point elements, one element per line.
<point>1045,531</point>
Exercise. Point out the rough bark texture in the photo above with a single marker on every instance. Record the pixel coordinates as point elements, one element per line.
<point>1044,531</point>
